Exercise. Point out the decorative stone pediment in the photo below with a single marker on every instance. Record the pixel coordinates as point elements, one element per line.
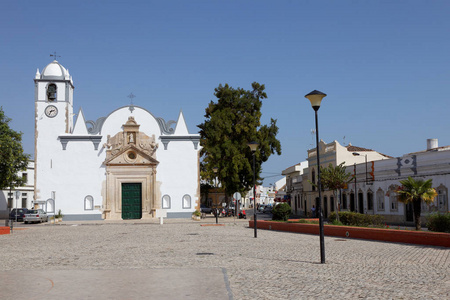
<point>131,155</point>
<point>131,146</point>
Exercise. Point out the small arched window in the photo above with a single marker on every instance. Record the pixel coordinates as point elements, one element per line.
<point>89,203</point>
<point>51,92</point>
<point>380,199</point>
<point>186,201</point>
<point>166,202</point>
<point>393,202</point>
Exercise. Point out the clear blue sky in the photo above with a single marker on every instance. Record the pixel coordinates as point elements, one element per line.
<point>385,65</point>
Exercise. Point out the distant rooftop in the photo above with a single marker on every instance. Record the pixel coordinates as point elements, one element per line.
<point>351,148</point>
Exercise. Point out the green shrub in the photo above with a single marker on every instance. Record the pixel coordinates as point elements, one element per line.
<point>197,213</point>
<point>357,219</point>
<point>305,221</point>
<point>439,222</point>
<point>336,222</point>
<point>281,212</point>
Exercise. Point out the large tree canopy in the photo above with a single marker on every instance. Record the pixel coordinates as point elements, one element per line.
<point>12,158</point>
<point>231,123</point>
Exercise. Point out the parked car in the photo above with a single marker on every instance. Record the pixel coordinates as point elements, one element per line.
<point>261,207</point>
<point>35,215</point>
<point>267,209</point>
<point>205,209</point>
<point>20,212</point>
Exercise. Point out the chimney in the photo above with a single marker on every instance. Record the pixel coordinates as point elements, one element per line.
<point>432,143</point>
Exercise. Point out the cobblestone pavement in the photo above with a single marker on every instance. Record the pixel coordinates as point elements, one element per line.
<point>276,265</point>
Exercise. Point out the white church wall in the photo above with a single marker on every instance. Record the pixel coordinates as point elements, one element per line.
<point>77,173</point>
<point>179,175</point>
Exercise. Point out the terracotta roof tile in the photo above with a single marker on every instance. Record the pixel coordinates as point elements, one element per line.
<point>351,148</point>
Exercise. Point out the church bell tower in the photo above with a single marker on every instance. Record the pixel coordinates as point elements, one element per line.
<point>53,117</point>
<point>54,98</point>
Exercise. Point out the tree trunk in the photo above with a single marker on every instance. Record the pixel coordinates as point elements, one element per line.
<point>336,207</point>
<point>417,210</point>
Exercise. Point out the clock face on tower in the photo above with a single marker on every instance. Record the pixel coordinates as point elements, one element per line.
<point>51,111</point>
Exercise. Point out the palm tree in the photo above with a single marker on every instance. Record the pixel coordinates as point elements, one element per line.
<point>334,179</point>
<point>415,191</point>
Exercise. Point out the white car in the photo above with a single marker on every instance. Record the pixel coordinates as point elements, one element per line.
<point>35,215</point>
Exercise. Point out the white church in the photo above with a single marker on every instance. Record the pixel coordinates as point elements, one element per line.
<point>126,165</point>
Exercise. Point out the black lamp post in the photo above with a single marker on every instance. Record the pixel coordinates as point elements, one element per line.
<point>357,154</point>
<point>215,170</point>
<point>316,97</point>
<point>253,146</point>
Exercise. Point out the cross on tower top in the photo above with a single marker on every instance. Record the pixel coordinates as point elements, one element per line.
<point>54,55</point>
<point>131,96</point>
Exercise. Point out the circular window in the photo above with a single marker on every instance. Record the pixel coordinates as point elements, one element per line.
<point>131,155</point>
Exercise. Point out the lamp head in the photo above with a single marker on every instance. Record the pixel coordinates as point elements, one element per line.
<point>253,146</point>
<point>315,97</point>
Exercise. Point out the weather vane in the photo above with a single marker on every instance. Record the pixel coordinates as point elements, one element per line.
<point>131,96</point>
<point>54,55</point>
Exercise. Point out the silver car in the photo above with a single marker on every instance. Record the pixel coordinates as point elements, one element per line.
<point>35,215</point>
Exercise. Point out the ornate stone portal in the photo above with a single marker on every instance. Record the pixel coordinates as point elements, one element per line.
<point>130,159</point>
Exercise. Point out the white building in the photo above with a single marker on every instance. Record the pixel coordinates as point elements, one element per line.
<point>125,165</point>
<point>375,194</point>
<point>294,185</point>
<point>19,197</point>
<point>372,190</point>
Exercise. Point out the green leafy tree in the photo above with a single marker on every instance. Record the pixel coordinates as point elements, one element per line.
<point>334,178</point>
<point>231,123</point>
<point>281,211</point>
<point>415,191</point>
<point>12,158</point>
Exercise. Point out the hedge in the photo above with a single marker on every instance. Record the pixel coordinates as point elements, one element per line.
<point>357,219</point>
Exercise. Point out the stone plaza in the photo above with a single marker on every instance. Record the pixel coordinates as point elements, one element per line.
<point>187,259</point>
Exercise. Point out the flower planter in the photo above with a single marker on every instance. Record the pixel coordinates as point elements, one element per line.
<point>377,234</point>
<point>5,230</point>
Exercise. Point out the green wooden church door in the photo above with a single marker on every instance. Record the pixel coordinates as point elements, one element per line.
<point>131,201</point>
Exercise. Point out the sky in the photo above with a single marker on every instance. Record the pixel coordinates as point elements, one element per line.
<point>384,65</point>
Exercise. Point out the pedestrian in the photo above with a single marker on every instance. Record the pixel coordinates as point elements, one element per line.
<point>313,211</point>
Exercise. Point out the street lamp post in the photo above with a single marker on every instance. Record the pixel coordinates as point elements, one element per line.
<point>357,154</point>
<point>355,198</point>
<point>17,198</point>
<point>253,146</point>
<point>315,97</point>
<point>215,170</point>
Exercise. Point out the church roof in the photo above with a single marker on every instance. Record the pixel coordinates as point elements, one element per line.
<point>55,70</point>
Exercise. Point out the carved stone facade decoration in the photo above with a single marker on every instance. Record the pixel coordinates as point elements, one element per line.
<point>130,158</point>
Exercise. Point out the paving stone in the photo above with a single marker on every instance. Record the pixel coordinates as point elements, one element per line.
<point>276,265</point>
